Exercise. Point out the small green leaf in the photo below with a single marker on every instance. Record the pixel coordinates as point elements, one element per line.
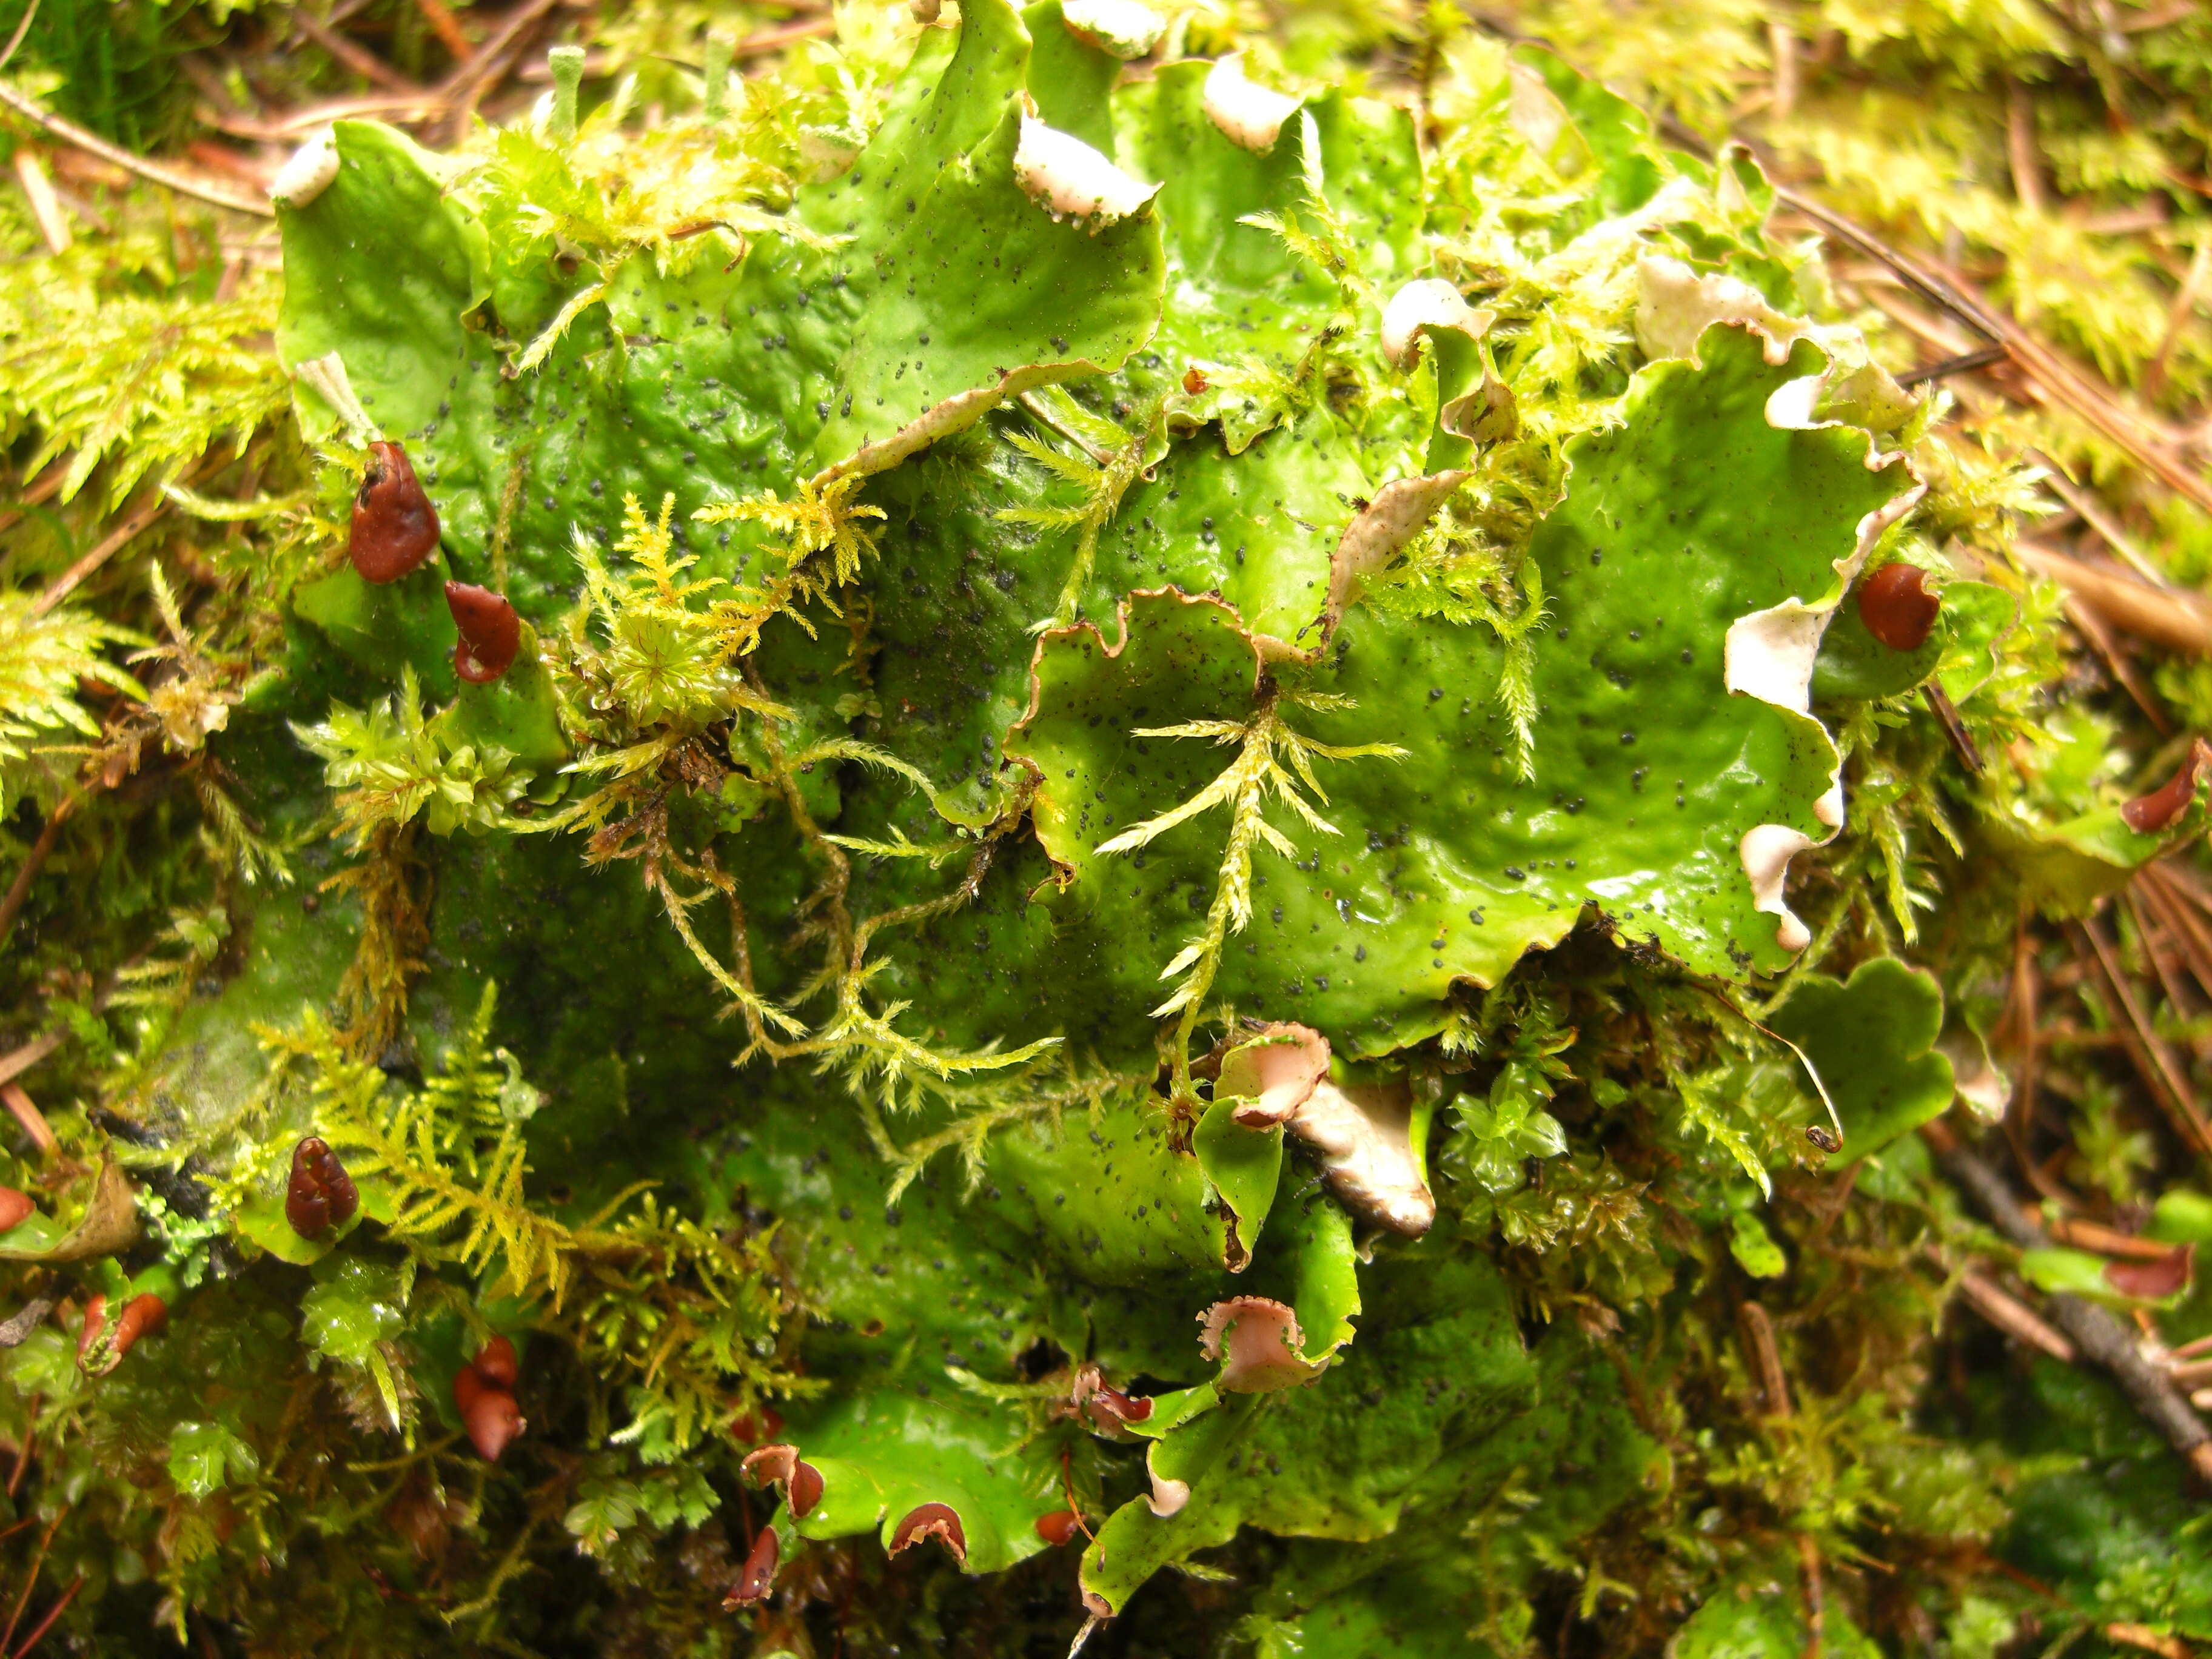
<point>1242,1165</point>
<point>204,1457</point>
<point>1871,1039</point>
<point>354,1304</point>
<point>1754,1247</point>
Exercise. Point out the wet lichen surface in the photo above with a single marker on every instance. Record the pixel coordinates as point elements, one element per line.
<point>1021,870</point>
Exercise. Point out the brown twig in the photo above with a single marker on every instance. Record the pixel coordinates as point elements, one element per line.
<point>41,490</point>
<point>2161,944</point>
<point>2107,1241</point>
<point>62,586</point>
<point>2020,150</point>
<point>460,92</point>
<point>2165,891</point>
<point>294,124</point>
<point>1943,369</point>
<point>53,1614</point>
<point>15,1063</point>
<point>2094,1332</point>
<point>1765,1356</point>
<point>2094,515</point>
<point>1816,1599</point>
<point>14,1331</point>
<point>184,184</point>
<point>2177,621</point>
<point>26,1112</point>
<point>2150,1641</point>
<point>19,891</point>
<point>355,56</point>
<point>447,29</point>
<point>2023,1020</point>
<point>31,1582</point>
<point>30,1433</point>
<point>2154,1062</point>
<point>2194,286</point>
<point>45,206</point>
<point>1946,716</point>
<point>2064,383</point>
<point>2092,628</point>
<point>2012,1316</point>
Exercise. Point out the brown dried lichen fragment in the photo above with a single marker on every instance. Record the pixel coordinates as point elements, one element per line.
<point>395,528</point>
<point>497,1365</point>
<point>779,1465</point>
<point>1898,606</point>
<point>1257,1339</point>
<point>1364,1133</point>
<point>1272,1072</point>
<point>1106,1408</point>
<point>758,1573</point>
<point>1058,1527</point>
<point>2153,1281</point>
<point>99,1349</point>
<point>320,1194</point>
<point>1364,1136</point>
<point>925,1521</point>
<point>493,1421</point>
<point>491,633</point>
<point>2147,815</point>
<point>1392,519</point>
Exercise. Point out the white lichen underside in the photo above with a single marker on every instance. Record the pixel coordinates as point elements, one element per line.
<point>1068,177</point>
<point>308,174</point>
<point>1119,27</point>
<point>1249,114</point>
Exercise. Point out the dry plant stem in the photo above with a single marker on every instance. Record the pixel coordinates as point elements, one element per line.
<point>2107,1241</point>
<point>786,34</point>
<point>1816,1611</point>
<point>2143,1636</point>
<point>2094,515</point>
<point>45,206</point>
<point>26,1112</point>
<point>1961,363</point>
<point>184,184</point>
<point>2160,944</point>
<point>31,1582</point>
<point>2023,1019</point>
<point>2059,379</point>
<point>2177,621</point>
<point>1784,45</point>
<point>62,586</point>
<point>41,490</point>
<point>19,891</point>
<point>2157,882</point>
<point>2092,629</point>
<point>447,29</point>
<point>2019,150</point>
<point>48,1623</point>
<point>2194,286</point>
<point>354,56</point>
<point>1766,1358</point>
<point>295,124</point>
<point>2093,1331</point>
<point>14,1331</point>
<point>14,1064</point>
<point>2013,1316</point>
<point>2144,1046</point>
<point>30,1432</point>
<point>1946,716</point>
<point>461,90</point>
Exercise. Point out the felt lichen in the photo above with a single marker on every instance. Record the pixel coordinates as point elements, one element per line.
<point>1327,651</point>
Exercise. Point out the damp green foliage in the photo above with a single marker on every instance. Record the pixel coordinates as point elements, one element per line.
<point>1192,847</point>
